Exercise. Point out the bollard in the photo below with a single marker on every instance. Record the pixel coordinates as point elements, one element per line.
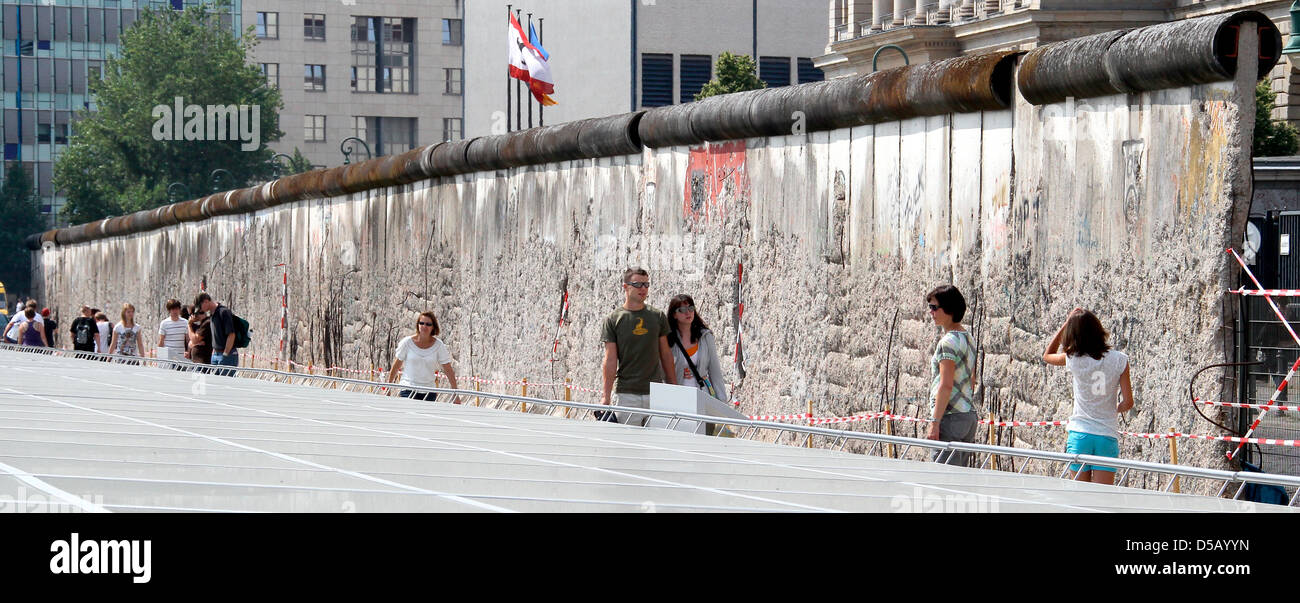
<point>810,415</point>
<point>478,400</point>
<point>993,424</point>
<point>568,395</point>
<point>523,406</point>
<point>889,430</point>
<point>1173,459</point>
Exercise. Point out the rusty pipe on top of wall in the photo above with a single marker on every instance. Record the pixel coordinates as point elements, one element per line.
<point>1168,55</point>
<point>981,82</point>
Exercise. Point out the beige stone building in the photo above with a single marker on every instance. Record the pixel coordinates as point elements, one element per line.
<point>928,30</point>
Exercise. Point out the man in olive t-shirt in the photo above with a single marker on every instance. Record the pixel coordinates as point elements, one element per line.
<point>636,348</point>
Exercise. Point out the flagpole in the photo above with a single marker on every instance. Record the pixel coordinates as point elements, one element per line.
<point>530,96</point>
<point>519,115</point>
<point>541,109</point>
<point>508,78</point>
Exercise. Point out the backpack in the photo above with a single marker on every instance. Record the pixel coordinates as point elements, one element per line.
<point>241,332</point>
<point>85,332</point>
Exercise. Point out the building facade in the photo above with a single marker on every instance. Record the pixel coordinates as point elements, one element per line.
<point>928,30</point>
<point>611,57</point>
<point>387,72</point>
<point>51,50</point>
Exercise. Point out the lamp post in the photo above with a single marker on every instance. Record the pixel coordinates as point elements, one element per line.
<point>347,152</point>
<point>1294,46</point>
<point>216,188</point>
<point>279,158</point>
<point>174,189</point>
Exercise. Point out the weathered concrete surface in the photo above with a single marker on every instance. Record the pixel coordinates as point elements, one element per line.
<point>1122,204</point>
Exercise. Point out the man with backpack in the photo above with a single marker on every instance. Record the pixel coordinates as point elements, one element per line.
<point>85,333</point>
<point>225,328</point>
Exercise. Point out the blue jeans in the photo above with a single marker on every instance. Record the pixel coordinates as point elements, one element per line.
<point>231,359</point>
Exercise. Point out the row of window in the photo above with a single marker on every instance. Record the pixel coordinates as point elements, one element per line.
<point>363,78</point>
<point>389,134</point>
<point>695,70</point>
<point>313,28</point>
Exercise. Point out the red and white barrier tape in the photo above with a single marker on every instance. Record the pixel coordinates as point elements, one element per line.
<point>1243,405</point>
<point>1266,292</point>
<point>802,417</point>
<point>1023,423</point>
<point>850,419</point>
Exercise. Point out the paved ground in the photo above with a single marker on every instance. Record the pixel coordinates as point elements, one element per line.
<point>91,436</point>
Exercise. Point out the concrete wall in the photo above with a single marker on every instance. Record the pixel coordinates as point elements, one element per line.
<point>1122,204</point>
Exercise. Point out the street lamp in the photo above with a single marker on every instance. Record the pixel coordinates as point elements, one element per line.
<point>347,152</point>
<point>1294,46</point>
<point>279,158</point>
<point>174,189</point>
<point>216,188</point>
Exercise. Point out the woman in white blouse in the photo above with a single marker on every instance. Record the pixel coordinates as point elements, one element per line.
<point>418,359</point>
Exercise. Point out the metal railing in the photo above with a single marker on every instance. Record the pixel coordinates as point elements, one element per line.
<point>803,435</point>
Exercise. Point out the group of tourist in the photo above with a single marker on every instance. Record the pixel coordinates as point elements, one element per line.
<point>642,344</point>
<point>191,334</point>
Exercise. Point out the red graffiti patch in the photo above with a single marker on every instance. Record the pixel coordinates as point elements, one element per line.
<point>714,168</point>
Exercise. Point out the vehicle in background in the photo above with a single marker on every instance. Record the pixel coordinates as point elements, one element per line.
<point>4,303</point>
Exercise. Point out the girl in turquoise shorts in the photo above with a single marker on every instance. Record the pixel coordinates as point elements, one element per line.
<point>1100,373</point>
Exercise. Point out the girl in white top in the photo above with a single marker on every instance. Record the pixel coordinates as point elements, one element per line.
<point>1100,373</point>
<point>127,340</point>
<point>418,359</point>
<point>691,336</point>
<point>105,329</point>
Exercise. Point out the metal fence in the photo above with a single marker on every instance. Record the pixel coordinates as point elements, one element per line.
<point>1167,477</point>
<point>1265,340</point>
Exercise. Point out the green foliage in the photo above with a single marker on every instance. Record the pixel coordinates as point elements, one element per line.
<point>116,166</point>
<point>1272,138</point>
<point>736,73</point>
<point>20,215</point>
<point>298,164</point>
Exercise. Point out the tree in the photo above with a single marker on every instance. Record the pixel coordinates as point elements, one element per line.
<point>20,217</point>
<point>125,154</point>
<point>298,164</point>
<point>735,74</point>
<point>1272,138</point>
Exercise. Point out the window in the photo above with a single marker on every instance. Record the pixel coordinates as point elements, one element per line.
<point>383,55</point>
<point>271,71</point>
<point>455,77</point>
<point>387,135</point>
<point>697,70</point>
<point>56,133</point>
<point>774,70</point>
<point>313,78</point>
<point>359,128</point>
<point>656,80</point>
<point>808,73</point>
<point>268,25</point>
<point>313,26</point>
<point>451,32</point>
<point>452,129</point>
<point>313,128</point>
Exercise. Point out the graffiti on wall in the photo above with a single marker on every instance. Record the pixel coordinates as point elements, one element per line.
<point>714,172</point>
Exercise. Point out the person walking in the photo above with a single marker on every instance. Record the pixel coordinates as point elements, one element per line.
<point>105,327</point>
<point>30,332</point>
<point>695,350</point>
<point>51,328</point>
<point>224,352</point>
<point>636,349</point>
<point>200,339</point>
<point>1100,376</point>
<point>953,382</point>
<point>418,359</point>
<point>173,333</point>
<point>127,338</point>
<point>85,334</point>
<point>20,317</point>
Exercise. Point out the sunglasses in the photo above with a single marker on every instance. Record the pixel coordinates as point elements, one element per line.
<point>638,285</point>
<point>685,309</point>
<point>425,324</point>
<point>933,307</point>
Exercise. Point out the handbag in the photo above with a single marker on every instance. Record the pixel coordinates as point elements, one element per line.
<point>607,416</point>
<point>701,380</point>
